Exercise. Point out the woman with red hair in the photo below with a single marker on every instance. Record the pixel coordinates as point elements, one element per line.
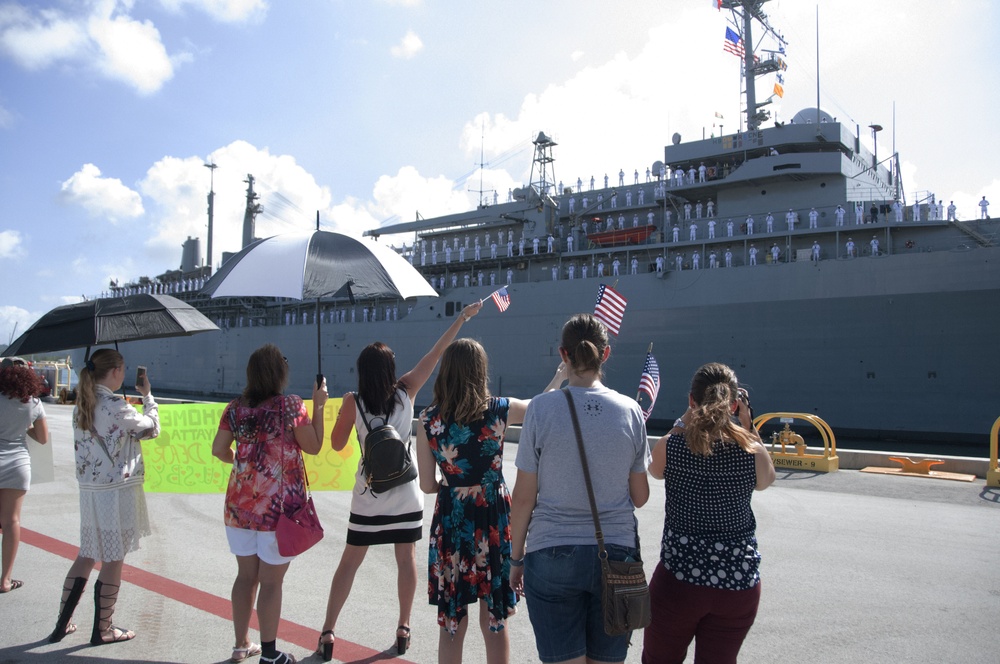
<point>21,415</point>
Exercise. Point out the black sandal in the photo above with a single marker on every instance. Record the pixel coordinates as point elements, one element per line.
<point>102,616</point>
<point>70,598</point>
<point>325,648</point>
<point>402,642</point>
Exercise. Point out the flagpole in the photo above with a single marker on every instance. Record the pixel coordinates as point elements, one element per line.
<point>648,351</point>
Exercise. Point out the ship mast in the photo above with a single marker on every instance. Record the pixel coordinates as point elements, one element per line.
<point>543,162</point>
<point>253,209</point>
<point>746,11</point>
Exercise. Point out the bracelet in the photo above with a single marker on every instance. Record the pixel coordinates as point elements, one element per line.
<point>679,423</point>
<point>515,562</point>
<point>466,317</point>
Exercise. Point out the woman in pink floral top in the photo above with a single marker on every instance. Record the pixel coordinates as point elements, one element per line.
<point>271,431</point>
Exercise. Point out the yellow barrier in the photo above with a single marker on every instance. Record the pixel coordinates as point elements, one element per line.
<point>827,462</point>
<point>180,459</point>
<point>993,472</point>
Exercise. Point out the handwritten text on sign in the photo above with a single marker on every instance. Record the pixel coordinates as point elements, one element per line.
<point>180,460</point>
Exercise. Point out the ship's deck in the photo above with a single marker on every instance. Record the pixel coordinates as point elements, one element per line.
<point>857,567</point>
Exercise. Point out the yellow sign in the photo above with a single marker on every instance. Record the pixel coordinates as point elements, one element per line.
<point>180,460</point>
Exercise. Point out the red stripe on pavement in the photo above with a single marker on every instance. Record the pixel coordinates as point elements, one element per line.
<point>300,635</point>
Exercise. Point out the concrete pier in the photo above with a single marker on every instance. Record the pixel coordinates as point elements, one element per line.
<point>856,568</point>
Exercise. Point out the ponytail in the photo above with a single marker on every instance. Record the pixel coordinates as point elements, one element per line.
<point>714,389</point>
<point>584,339</point>
<point>100,364</point>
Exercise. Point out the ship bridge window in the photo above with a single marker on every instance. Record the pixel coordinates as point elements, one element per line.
<point>449,309</point>
<point>786,167</point>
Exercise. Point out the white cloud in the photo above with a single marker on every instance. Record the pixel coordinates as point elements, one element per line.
<point>131,51</point>
<point>13,322</point>
<point>228,11</point>
<point>101,197</point>
<point>10,241</point>
<point>408,47</point>
<point>36,41</point>
<point>178,188</point>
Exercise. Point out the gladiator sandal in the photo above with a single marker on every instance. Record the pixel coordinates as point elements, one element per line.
<point>104,608</point>
<point>70,598</point>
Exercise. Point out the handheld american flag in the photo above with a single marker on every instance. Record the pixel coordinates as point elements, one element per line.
<point>501,298</point>
<point>649,384</point>
<point>610,308</point>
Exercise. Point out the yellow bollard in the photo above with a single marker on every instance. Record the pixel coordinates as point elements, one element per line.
<point>993,473</point>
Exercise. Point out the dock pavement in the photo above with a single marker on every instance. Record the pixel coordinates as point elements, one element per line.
<point>856,568</point>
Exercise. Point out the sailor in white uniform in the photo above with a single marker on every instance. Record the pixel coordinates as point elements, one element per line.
<point>697,210</point>
<point>984,207</point>
<point>628,198</point>
<point>849,245</point>
<point>676,232</point>
<point>729,227</point>
<point>815,251</point>
<point>840,212</point>
<point>729,257</point>
<point>874,245</point>
<point>775,253</point>
<point>548,243</point>
<point>687,212</point>
<point>493,250</point>
<point>635,266</point>
<point>571,271</point>
<point>642,196</point>
<point>690,177</point>
<point>555,273</point>
<point>659,264</point>
<point>749,225</point>
<point>897,209</point>
<point>814,217</point>
<point>710,207</point>
<point>621,178</point>
<point>583,271</point>
<point>951,211</point>
<point>859,213</point>
<point>621,222</point>
<point>572,204</point>
<point>447,253</point>
<point>635,220</point>
<point>679,261</point>
<point>769,222</point>
<point>693,234</point>
<point>600,268</point>
<point>701,172</point>
<point>753,255</point>
<point>696,260</point>
<point>600,201</point>
<point>916,211</point>
<point>649,217</point>
<point>713,261</point>
<point>465,280</point>
<point>615,267</point>
<point>790,219</point>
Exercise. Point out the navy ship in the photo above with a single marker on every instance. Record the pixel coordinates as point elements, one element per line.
<point>788,251</point>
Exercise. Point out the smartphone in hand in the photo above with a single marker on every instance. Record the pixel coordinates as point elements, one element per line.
<point>140,375</point>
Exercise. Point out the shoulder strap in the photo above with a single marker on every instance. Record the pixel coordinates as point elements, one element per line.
<point>357,404</point>
<point>602,554</point>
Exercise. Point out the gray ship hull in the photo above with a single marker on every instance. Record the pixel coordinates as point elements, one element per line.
<point>894,346</point>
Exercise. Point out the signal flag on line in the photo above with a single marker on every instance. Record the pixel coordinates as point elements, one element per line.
<point>610,308</point>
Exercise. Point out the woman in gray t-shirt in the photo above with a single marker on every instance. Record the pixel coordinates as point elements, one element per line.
<point>21,415</point>
<point>554,551</point>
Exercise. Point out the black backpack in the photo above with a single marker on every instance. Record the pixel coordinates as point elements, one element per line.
<point>385,458</point>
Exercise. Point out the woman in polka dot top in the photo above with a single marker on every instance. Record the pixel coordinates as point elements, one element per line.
<point>707,585</point>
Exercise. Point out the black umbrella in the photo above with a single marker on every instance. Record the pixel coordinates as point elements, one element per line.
<point>110,320</point>
<point>315,265</point>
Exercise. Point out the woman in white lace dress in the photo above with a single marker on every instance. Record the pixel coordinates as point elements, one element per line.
<point>110,470</point>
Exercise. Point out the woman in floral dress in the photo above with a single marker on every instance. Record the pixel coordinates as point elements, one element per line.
<point>110,469</point>
<point>462,434</point>
<point>271,431</point>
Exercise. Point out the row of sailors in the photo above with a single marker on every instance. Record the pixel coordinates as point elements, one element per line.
<point>676,176</point>
<point>156,288</point>
<point>332,316</point>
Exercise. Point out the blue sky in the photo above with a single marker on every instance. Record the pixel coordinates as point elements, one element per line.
<point>373,110</point>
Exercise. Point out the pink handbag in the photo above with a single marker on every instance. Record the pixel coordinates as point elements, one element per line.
<point>299,531</point>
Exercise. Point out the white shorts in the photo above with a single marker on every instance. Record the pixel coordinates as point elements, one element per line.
<point>260,543</point>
